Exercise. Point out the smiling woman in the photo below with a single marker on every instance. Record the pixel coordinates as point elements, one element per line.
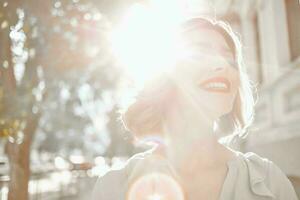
<point>185,107</point>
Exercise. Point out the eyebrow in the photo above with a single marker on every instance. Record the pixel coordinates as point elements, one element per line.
<point>221,49</point>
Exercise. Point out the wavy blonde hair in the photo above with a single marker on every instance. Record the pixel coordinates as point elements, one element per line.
<point>145,113</point>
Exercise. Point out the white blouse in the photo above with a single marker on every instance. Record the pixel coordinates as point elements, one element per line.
<point>249,177</point>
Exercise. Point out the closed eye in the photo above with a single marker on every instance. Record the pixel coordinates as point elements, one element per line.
<point>197,51</point>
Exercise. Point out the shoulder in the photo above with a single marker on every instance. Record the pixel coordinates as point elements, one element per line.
<point>105,184</point>
<point>266,178</point>
<point>115,178</point>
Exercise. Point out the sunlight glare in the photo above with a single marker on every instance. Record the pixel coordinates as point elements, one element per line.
<point>145,42</point>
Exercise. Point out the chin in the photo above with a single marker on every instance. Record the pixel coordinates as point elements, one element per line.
<point>219,110</point>
<point>219,104</point>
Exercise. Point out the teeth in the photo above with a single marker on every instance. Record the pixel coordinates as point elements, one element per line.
<point>216,85</point>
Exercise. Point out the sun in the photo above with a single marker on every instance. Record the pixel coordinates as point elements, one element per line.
<point>145,42</point>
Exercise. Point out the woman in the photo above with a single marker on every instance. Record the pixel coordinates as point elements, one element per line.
<point>206,95</point>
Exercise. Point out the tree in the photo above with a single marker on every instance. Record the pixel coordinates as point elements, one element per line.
<point>57,78</point>
<point>18,117</point>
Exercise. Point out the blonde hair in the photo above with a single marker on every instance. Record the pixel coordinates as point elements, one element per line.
<point>145,114</point>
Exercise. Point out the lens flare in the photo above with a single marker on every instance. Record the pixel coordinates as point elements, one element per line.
<point>155,186</point>
<point>155,197</point>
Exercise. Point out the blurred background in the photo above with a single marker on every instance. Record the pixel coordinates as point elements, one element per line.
<point>60,86</point>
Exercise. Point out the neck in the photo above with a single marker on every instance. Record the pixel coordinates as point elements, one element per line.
<point>191,143</point>
<point>202,153</point>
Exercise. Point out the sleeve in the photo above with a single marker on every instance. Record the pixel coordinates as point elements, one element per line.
<point>113,184</point>
<point>109,186</point>
<point>280,184</point>
<point>97,193</point>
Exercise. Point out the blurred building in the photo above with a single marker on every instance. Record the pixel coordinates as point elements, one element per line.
<point>270,34</point>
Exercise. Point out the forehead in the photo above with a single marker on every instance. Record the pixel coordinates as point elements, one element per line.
<point>208,40</point>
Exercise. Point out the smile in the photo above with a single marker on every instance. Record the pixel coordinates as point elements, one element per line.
<point>216,84</point>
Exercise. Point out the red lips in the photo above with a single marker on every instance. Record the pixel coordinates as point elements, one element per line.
<point>216,84</point>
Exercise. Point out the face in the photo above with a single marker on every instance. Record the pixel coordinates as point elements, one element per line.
<point>206,74</point>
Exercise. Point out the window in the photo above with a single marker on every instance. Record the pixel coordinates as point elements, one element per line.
<point>293,17</point>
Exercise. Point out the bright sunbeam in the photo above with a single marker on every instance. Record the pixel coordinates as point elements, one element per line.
<point>146,40</point>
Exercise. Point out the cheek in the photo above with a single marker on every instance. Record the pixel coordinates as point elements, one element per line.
<point>235,86</point>
<point>210,103</point>
<point>234,90</point>
<point>217,103</point>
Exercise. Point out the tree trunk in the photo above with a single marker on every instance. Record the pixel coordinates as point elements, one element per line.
<point>19,161</point>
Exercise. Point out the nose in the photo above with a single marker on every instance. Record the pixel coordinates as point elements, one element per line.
<point>219,68</point>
